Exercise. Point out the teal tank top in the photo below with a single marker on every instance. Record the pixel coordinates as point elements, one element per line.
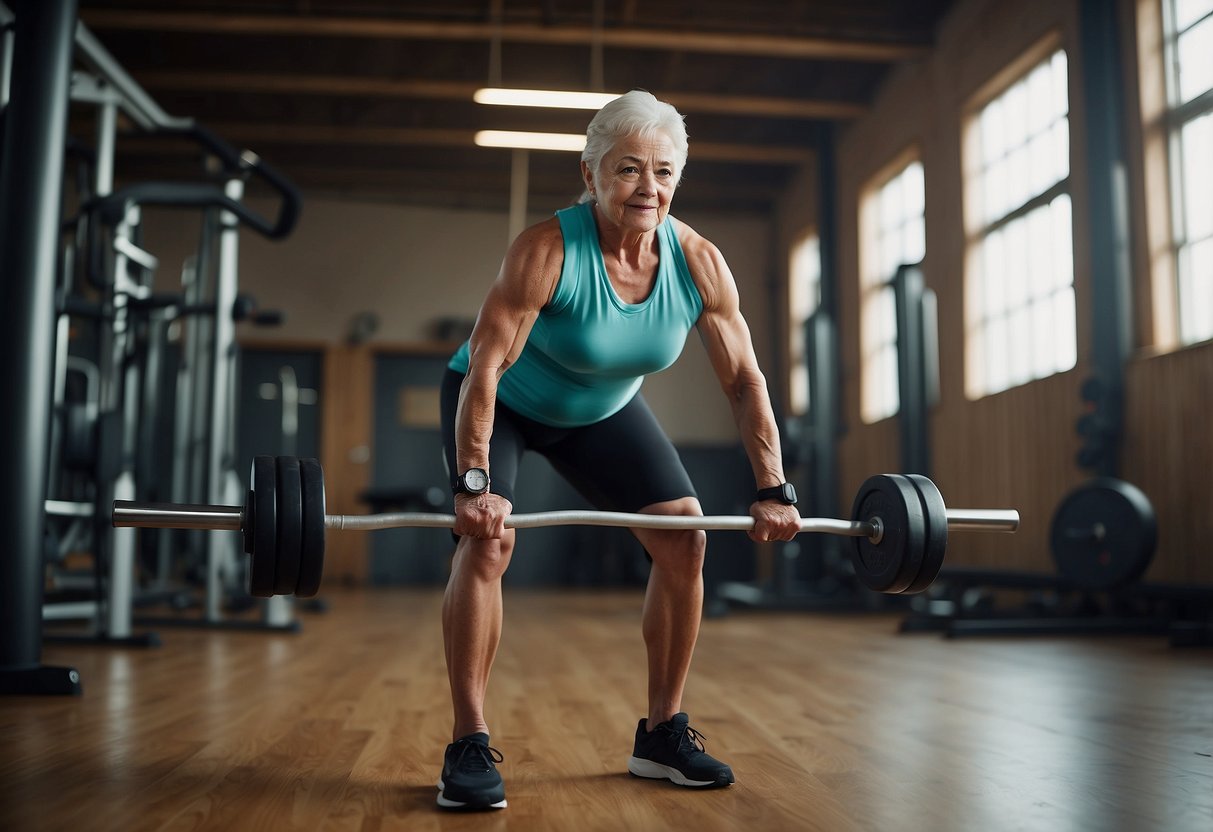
<point>588,351</point>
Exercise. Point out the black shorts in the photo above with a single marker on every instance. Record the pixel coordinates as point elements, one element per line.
<point>623,463</point>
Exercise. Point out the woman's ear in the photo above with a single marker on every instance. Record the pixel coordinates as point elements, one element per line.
<point>587,176</point>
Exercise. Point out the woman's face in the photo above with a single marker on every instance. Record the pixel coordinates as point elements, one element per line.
<point>635,182</point>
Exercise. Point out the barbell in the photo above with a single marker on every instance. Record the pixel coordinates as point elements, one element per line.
<point>899,526</point>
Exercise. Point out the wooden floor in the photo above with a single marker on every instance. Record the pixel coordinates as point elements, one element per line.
<point>830,723</point>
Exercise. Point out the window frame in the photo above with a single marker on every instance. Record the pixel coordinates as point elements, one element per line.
<point>798,315</point>
<point>873,285</point>
<point>979,228</point>
<point>1176,116</point>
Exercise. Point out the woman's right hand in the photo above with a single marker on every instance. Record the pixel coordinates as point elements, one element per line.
<point>481,516</point>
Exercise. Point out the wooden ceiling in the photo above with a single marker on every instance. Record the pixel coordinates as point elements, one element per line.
<point>374,98</point>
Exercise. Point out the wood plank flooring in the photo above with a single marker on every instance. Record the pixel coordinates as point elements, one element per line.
<point>830,723</point>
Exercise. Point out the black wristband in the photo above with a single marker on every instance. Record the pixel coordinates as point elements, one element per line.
<point>784,493</point>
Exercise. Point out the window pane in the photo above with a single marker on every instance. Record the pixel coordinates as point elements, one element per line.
<point>1023,271</point>
<point>1196,287</point>
<point>1040,253</point>
<point>891,204</point>
<point>1067,340</point>
<point>804,292</point>
<point>1061,76</point>
<point>1061,150</point>
<point>898,238</point>
<point>1063,247</point>
<point>1041,162</point>
<point>914,240</point>
<point>913,190</point>
<point>1017,115</point>
<point>995,193</point>
<point>996,355</point>
<point>889,396</point>
<point>1196,60</point>
<point>1040,100</point>
<point>1197,140</point>
<point>994,275</point>
<point>1017,262</point>
<point>993,139</point>
<point>1188,12</point>
<point>887,320</point>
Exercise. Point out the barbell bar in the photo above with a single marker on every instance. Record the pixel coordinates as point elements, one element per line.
<point>231,518</point>
<point>899,526</point>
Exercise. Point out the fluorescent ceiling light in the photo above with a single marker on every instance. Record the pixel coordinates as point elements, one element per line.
<point>530,141</point>
<point>543,98</point>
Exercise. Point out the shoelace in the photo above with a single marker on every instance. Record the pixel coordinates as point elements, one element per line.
<point>481,757</point>
<point>689,738</point>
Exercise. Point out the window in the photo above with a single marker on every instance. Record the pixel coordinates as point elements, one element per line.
<point>1189,53</point>
<point>895,234</point>
<point>804,293</point>
<point>1019,285</point>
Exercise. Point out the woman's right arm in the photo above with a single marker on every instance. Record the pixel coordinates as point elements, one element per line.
<point>525,284</point>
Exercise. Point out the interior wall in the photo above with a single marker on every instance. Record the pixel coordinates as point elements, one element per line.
<point>412,266</point>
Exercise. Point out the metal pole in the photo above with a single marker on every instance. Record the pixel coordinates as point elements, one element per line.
<point>31,185</point>
<point>1110,287</point>
<point>222,361</point>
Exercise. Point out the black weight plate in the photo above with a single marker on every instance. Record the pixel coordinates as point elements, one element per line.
<point>263,482</point>
<point>935,512</point>
<point>290,525</point>
<point>1103,534</point>
<point>311,552</point>
<point>893,563</point>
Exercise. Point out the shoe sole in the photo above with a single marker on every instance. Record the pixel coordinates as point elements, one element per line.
<point>447,803</point>
<point>656,771</point>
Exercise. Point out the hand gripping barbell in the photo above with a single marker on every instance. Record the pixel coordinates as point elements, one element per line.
<point>899,526</point>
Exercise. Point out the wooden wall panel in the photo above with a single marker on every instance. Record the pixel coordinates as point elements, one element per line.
<point>346,452</point>
<point>1012,450</point>
<point>1017,450</point>
<point>1169,455</point>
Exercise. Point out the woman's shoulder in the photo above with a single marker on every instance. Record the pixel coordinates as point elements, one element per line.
<point>535,257</point>
<point>700,252</point>
<point>541,240</point>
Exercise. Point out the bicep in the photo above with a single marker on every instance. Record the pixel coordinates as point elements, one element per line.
<point>722,327</point>
<point>522,288</point>
<point>730,348</point>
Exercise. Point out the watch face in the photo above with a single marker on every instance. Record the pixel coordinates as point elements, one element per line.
<point>475,480</point>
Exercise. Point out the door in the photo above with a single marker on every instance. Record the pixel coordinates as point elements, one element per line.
<point>408,473</point>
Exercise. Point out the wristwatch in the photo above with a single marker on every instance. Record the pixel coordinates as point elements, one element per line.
<point>784,492</point>
<point>471,481</point>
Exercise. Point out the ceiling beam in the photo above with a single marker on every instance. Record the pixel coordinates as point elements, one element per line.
<point>685,40</point>
<point>294,134</point>
<point>464,187</point>
<point>347,86</point>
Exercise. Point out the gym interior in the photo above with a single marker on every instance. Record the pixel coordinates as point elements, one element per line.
<point>973,241</point>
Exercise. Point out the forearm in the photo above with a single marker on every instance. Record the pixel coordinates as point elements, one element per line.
<point>755,420</point>
<point>474,418</point>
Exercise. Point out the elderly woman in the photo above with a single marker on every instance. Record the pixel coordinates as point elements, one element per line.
<point>585,305</point>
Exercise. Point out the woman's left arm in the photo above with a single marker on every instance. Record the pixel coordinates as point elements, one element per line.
<point>730,348</point>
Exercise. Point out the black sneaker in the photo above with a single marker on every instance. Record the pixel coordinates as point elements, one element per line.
<point>470,779</point>
<point>674,751</point>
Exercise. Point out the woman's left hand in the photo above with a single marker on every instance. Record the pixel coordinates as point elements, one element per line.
<point>773,521</point>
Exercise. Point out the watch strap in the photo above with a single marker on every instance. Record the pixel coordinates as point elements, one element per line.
<point>785,493</point>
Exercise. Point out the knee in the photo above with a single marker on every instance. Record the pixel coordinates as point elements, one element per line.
<point>680,552</point>
<point>487,559</point>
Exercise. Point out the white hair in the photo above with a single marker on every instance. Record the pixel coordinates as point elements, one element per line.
<point>635,113</point>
